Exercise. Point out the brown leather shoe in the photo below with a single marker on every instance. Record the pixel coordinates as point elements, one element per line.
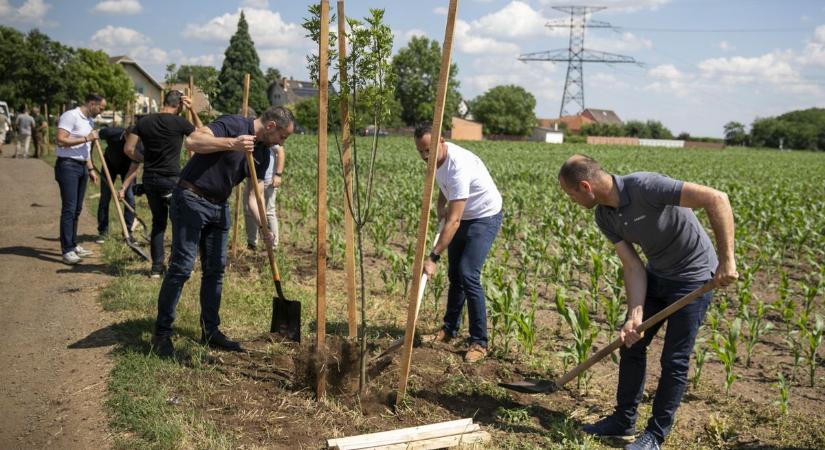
<point>475,353</point>
<point>440,336</point>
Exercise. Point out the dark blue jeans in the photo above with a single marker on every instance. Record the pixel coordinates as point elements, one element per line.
<point>467,252</point>
<point>680,335</point>
<point>159,196</point>
<point>106,198</point>
<point>196,223</point>
<point>72,176</point>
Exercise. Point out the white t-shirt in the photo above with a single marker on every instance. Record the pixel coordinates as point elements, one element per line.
<point>78,126</point>
<point>273,157</point>
<point>464,176</point>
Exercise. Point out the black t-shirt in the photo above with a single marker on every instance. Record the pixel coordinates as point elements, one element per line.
<point>116,160</point>
<point>162,137</point>
<point>217,173</point>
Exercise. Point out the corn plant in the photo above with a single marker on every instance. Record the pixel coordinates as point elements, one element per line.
<point>504,295</point>
<point>725,346</point>
<point>596,275</point>
<point>584,334</point>
<point>613,312</point>
<point>526,320</point>
<point>794,343</point>
<point>812,339</point>
<point>784,393</point>
<point>701,352</point>
<point>744,286</point>
<point>438,283</point>
<point>756,326</point>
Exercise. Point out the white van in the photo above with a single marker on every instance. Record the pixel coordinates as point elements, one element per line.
<point>4,108</point>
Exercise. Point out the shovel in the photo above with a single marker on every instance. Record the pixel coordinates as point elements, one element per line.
<point>133,245</point>
<point>286,314</point>
<point>546,386</point>
<point>421,286</point>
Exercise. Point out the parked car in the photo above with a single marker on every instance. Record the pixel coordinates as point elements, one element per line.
<point>370,131</point>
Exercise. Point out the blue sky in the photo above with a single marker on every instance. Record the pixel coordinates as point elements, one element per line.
<point>693,81</point>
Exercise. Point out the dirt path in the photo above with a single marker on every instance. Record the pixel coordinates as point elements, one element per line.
<point>53,360</point>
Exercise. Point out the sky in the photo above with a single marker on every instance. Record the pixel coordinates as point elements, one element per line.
<point>704,62</point>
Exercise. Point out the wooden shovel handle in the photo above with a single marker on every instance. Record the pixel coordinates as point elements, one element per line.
<point>656,318</point>
<point>126,234</point>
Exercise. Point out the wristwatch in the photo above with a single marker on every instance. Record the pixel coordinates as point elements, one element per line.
<point>434,257</point>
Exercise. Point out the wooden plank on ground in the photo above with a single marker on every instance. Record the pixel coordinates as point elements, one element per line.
<point>405,434</point>
<point>474,438</point>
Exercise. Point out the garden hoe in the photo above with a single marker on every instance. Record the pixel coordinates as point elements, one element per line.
<point>139,220</point>
<point>547,386</point>
<point>400,341</point>
<point>286,314</point>
<point>133,245</point>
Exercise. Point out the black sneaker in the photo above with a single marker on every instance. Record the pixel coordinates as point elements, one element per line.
<point>647,441</point>
<point>610,427</point>
<point>220,341</point>
<point>163,347</point>
<point>252,247</point>
<point>156,273</point>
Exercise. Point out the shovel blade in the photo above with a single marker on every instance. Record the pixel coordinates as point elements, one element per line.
<point>531,386</point>
<point>286,318</point>
<point>137,249</point>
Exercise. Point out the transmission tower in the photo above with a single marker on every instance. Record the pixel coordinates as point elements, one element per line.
<point>576,55</point>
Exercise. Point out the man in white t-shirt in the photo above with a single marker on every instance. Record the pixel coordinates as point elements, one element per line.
<point>470,205</point>
<point>73,169</point>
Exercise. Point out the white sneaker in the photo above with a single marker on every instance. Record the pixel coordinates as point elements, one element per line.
<point>82,252</point>
<point>71,258</point>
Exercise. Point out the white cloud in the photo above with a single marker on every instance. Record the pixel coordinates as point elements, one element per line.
<point>771,67</point>
<point>725,46</point>
<point>267,28</point>
<point>401,38</point>
<point>667,71</point>
<point>30,12</point>
<point>126,41</point>
<point>467,41</point>
<point>516,20</point>
<point>441,11</point>
<point>814,51</point>
<point>670,80</point>
<point>534,77</point>
<point>212,59</point>
<point>118,7</point>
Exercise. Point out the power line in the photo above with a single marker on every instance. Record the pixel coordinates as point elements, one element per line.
<point>718,30</point>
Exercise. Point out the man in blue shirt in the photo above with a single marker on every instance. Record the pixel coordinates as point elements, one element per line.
<point>200,214</point>
<point>655,212</point>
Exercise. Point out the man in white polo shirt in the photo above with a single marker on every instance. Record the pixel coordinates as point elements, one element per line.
<point>470,205</point>
<point>73,169</point>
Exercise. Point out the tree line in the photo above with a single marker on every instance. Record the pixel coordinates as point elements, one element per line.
<point>798,130</point>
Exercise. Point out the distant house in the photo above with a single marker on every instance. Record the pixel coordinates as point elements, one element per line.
<point>200,100</point>
<point>603,116</point>
<point>287,91</point>
<point>465,130</point>
<point>573,124</point>
<point>147,89</point>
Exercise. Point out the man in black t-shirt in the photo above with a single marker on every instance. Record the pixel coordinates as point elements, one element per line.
<point>162,137</point>
<point>118,164</point>
<point>201,214</point>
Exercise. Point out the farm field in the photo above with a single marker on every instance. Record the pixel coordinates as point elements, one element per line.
<point>759,381</point>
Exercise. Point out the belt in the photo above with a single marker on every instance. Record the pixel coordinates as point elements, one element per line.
<point>199,192</point>
<point>78,161</point>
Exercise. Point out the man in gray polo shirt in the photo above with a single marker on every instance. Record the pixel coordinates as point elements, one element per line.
<point>655,212</point>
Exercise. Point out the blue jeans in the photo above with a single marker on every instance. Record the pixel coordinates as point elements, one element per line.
<point>680,335</point>
<point>72,176</point>
<point>159,196</point>
<point>106,197</point>
<point>467,252</point>
<point>196,223</point>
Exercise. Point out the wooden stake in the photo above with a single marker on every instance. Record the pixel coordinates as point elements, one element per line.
<point>191,96</point>
<point>426,201</point>
<point>238,206</point>
<point>346,160</point>
<point>321,252</point>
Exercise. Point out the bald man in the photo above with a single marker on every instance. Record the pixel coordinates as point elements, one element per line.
<point>656,213</point>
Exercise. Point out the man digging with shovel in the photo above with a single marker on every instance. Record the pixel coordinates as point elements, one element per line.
<point>200,214</point>
<point>655,212</point>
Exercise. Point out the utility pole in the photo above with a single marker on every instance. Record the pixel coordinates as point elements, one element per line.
<point>576,55</point>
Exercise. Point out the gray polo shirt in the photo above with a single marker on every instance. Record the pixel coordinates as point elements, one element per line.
<point>674,242</point>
